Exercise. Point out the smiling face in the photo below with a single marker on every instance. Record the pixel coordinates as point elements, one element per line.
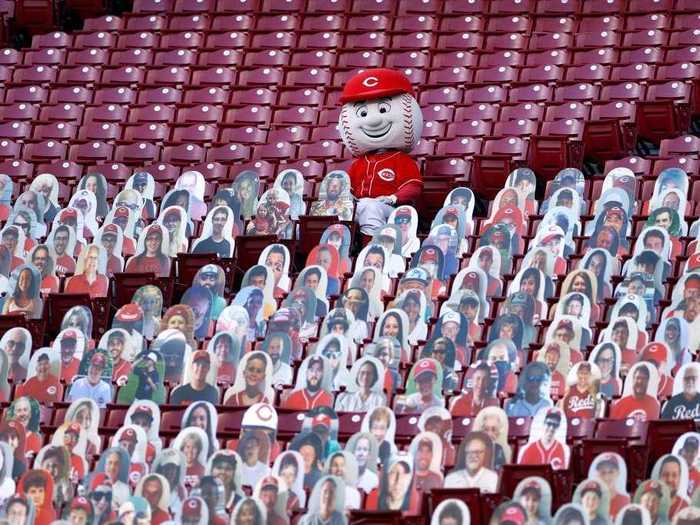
<point>381,123</point>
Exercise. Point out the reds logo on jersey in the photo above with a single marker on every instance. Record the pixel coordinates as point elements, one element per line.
<point>387,174</point>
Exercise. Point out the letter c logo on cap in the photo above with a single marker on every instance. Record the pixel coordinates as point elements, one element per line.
<point>370,82</point>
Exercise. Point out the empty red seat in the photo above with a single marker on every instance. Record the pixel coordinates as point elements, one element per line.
<point>160,95</point>
<point>90,152</point>
<point>45,151</point>
<point>228,153</point>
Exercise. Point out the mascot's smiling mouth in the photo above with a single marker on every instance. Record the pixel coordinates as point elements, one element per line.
<point>379,133</point>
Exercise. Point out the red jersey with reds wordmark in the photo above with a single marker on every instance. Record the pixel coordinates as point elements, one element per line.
<point>388,173</point>
<point>578,404</point>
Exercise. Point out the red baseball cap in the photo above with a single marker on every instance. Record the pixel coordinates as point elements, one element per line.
<point>424,366</point>
<point>513,515</point>
<point>110,228</point>
<point>656,352</point>
<point>377,83</point>
<point>128,435</point>
<point>122,211</point>
<point>73,428</point>
<point>81,503</point>
<point>143,409</point>
<point>129,312</point>
<point>192,508</point>
<point>321,420</point>
<point>69,213</point>
<point>70,334</point>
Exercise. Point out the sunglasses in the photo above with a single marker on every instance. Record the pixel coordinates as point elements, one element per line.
<point>97,496</point>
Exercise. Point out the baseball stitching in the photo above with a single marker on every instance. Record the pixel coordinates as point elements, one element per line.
<point>347,132</point>
<point>407,107</point>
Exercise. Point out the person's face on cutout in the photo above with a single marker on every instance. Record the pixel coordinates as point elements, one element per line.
<point>551,358</point>
<point>84,417</point>
<point>275,261</point>
<point>563,335</point>
<point>153,241</point>
<point>324,259</point>
<point>531,503</point>
<point>590,502</point>
<point>605,240</point>
<point>43,367</point>
<point>528,285</point>
<point>619,335</point>
<point>274,349</point>
<point>17,514</point>
<point>362,450</point>
<point>177,322</point>
<point>671,333</point>
<point>112,466</point>
<point>314,375</point>
<point>288,183</point>
<point>366,376</point>
<point>224,471</point>
<point>115,346</point>
<point>152,492</point>
<point>40,259</point>
<point>94,374</point>
<point>653,242</point>
<point>689,454</point>
<point>172,222</point>
<point>480,382</point>
<point>651,502</point>
<point>440,352</point>
<point>327,503</point>
<point>378,428</point>
<point>337,467</point>
<point>190,448</point>
<point>199,306</point>
<point>198,418</point>
<point>506,331</point>
<point>663,220</point>
<point>24,280</point>
<point>412,309</point>
<point>258,281</point>
<point>200,369</point>
<point>399,480</point>
<point>367,280</point>
<point>690,379</point>
<point>614,220</point>
<point>485,261</point>
<point>425,384</point>
<point>550,428</point>
<point>289,475</point>
<point>268,496</point>
<point>309,454</point>
<point>375,260</point>
<point>91,184</point>
<point>67,349</point>
<point>583,377</point>
<point>37,495</point>
<point>333,188</point>
<point>254,372</point>
<point>424,456</point>
<point>575,308</point>
<point>332,353</point>
<point>15,346</point>
<point>391,327</point>
<point>23,411</point>
<point>608,475</point>
<point>596,264</point>
<point>251,452</point>
<point>218,222</point>
<point>450,329</point>
<point>91,260</point>
<point>353,300</point>
<point>311,280</point>
<point>671,475</point>
<point>53,466</point>
<point>640,382</point>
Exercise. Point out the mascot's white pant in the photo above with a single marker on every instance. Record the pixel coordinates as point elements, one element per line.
<point>371,214</point>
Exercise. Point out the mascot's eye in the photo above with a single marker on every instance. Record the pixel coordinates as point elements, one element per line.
<point>361,111</point>
<point>384,107</point>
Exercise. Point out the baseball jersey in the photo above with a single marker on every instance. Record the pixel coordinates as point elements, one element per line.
<point>70,370</point>
<point>617,502</point>
<point>48,390</point>
<point>101,393</point>
<point>642,409</point>
<point>536,453</point>
<point>387,173</point>
<point>302,400</point>
<point>677,504</point>
<point>578,404</point>
<point>678,407</point>
<point>80,284</point>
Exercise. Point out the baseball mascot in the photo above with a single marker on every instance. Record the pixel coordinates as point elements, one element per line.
<point>380,122</point>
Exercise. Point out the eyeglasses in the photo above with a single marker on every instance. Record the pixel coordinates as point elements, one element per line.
<point>476,453</point>
<point>97,496</point>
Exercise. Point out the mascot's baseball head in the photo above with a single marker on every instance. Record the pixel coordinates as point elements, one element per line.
<point>379,112</point>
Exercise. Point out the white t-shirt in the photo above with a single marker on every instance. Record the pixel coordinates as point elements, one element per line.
<point>101,393</point>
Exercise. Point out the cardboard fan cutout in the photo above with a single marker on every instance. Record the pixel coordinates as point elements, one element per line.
<point>334,197</point>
